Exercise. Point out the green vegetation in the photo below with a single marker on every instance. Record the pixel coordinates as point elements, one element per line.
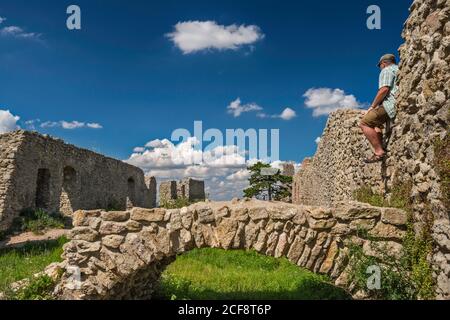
<point>177,203</point>
<point>218,274</point>
<point>404,277</point>
<point>38,221</point>
<point>274,185</point>
<point>366,195</point>
<point>22,263</point>
<point>442,165</point>
<point>39,288</point>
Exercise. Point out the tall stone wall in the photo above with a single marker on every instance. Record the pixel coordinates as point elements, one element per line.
<point>423,106</point>
<point>120,255</point>
<point>47,173</point>
<point>190,189</point>
<point>337,169</point>
<point>9,145</point>
<point>423,118</point>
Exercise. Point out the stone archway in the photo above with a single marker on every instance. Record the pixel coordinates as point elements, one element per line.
<point>120,255</point>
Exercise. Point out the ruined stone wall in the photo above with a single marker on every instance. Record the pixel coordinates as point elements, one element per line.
<point>58,177</point>
<point>9,145</point>
<point>423,106</point>
<point>190,189</point>
<point>120,255</point>
<point>337,169</point>
<point>194,190</point>
<point>151,184</point>
<point>423,117</point>
<point>167,191</point>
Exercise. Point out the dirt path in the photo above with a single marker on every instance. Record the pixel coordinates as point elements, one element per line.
<point>24,238</point>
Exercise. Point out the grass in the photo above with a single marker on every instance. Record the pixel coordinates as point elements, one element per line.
<point>177,203</point>
<point>38,221</point>
<point>410,275</point>
<point>21,263</point>
<point>214,274</point>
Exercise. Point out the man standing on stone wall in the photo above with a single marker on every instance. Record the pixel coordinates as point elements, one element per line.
<point>382,108</point>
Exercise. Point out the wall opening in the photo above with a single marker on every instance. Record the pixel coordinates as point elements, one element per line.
<point>69,191</point>
<point>42,200</point>
<point>131,193</point>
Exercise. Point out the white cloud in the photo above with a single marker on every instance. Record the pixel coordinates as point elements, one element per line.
<point>318,139</point>
<point>72,125</point>
<point>288,114</point>
<point>8,122</point>
<point>94,126</point>
<point>139,150</point>
<point>236,108</point>
<point>325,100</point>
<point>2,19</point>
<point>240,175</point>
<point>224,168</point>
<point>18,32</point>
<point>69,125</point>
<point>193,36</point>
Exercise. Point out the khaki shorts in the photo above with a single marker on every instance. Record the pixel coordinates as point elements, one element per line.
<point>375,118</point>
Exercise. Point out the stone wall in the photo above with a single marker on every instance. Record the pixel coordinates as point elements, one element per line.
<point>42,172</point>
<point>119,255</point>
<point>423,117</point>
<point>337,169</point>
<point>9,145</point>
<point>190,189</point>
<point>167,191</point>
<point>151,184</point>
<point>423,106</point>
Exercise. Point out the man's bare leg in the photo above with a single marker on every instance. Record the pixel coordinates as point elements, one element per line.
<point>375,137</point>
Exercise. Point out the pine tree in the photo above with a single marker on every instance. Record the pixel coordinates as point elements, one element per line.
<point>268,183</point>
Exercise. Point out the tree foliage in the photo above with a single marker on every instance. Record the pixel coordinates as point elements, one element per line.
<point>267,183</point>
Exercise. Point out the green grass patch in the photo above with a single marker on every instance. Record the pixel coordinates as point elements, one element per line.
<point>217,274</point>
<point>38,221</point>
<point>21,263</point>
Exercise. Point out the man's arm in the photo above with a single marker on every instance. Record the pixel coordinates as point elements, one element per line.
<point>381,95</point>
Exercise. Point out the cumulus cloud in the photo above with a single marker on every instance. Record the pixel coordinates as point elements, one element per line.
<point>318,139</point>
<point>288,114</point>
<point>236,108</point>
<point>325,100</point>
<point>69,125</point>
<point>8,121</point>
<point>193,36</point>
<point>2,19</point>
<point>223,168</point>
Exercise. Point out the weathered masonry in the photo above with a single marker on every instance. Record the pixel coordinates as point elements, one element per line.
<point>38,171</point>
<point>190,189</point>
<point>418,146</point>
<point>120,254</point>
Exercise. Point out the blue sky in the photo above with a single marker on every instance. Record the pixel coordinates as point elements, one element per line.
<point>122,72</point>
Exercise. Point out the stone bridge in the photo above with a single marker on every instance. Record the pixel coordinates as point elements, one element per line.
<point>120,255</point>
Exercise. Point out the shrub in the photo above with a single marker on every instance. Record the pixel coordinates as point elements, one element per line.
<point>177,203</point>
<point>39,288</point>
<point>366,195</point>
<point>38,221</point>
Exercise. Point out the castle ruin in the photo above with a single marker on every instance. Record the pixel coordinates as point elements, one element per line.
<point>190,189</point>
<point>37,171</point>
